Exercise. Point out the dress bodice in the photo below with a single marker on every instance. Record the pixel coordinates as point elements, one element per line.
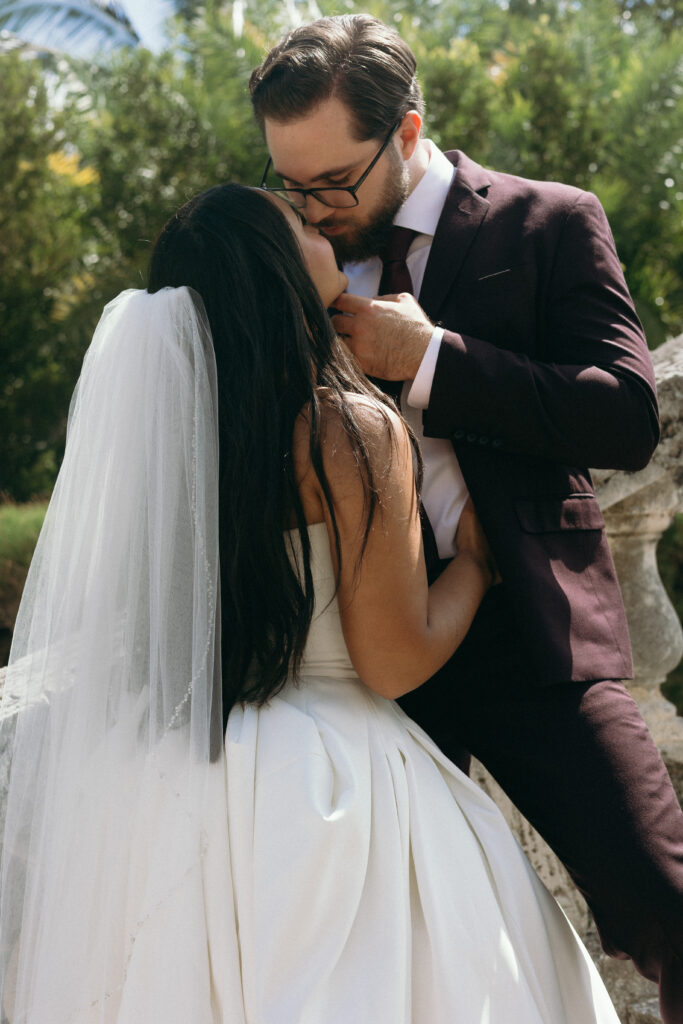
<point>326,653</point>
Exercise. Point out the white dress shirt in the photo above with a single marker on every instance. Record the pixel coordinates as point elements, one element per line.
<point>444,492</point>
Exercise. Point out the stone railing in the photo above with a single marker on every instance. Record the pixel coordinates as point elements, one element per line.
<point>638,507</point>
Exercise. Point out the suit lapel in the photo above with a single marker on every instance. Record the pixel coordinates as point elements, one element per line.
<point>461,218</point>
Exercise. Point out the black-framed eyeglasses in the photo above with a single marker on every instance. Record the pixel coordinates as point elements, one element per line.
<point>335,195</point>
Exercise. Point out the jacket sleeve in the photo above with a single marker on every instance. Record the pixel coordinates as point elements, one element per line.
<point>587,396</point>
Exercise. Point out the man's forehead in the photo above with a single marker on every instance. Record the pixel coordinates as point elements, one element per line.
<point>303,171</point>
<point>321,144</point>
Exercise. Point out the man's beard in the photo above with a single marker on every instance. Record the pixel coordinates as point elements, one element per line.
<point>371,239</point>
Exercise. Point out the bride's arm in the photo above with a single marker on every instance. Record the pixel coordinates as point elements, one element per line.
<point>398,629</point>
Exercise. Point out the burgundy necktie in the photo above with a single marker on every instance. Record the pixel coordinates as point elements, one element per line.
<point>395,274</point>
<point>395,278</point>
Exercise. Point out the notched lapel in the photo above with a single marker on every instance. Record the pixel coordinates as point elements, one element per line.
<point>460,220</point>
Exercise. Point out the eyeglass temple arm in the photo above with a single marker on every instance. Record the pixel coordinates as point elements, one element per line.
<point>265,172</point>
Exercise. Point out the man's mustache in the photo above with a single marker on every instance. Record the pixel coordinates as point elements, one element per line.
<point>322,224</point>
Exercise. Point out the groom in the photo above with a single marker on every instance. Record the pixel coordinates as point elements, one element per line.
<point>522,364</point>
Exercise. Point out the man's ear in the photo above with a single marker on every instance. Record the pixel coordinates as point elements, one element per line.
<point>408,133</point>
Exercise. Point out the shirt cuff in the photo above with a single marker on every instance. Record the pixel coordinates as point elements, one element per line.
<point>421,389</point>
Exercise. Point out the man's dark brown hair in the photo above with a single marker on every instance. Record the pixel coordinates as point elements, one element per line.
<point>354,58</point>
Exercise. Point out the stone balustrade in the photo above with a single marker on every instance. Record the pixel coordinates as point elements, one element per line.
<point>638,507</point>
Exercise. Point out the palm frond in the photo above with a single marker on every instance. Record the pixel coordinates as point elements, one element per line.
<point>80,28</point>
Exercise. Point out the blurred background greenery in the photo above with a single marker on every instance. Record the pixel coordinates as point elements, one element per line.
<point>102,139</point>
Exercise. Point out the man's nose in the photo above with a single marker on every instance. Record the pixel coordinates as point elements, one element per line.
<point>315,211</point>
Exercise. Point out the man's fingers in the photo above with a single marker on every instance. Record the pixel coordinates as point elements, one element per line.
<point>349,303</point>
<point>342,324</point>
<point>355,351</point>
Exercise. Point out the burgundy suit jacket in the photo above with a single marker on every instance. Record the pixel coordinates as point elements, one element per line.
<point>543,371</point>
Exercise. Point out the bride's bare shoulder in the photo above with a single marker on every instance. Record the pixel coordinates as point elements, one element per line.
<point>348,415</point>
<point>362,441</point>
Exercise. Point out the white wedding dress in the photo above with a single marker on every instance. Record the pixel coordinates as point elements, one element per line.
<point>333,868</point>
<point>371,882</point>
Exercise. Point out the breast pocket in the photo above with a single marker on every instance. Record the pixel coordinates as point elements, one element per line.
<point>503,278</point>
<point>504,301</point>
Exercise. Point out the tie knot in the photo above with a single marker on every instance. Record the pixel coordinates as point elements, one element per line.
<point>399,242</point>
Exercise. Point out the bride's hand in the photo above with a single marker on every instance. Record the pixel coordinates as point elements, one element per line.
<point>470,539</point>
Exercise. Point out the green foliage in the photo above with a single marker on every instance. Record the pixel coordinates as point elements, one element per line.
<point>41,245</point>
<point>549,116</point>
<point>570,96</point>
<point>19,529</point>
<point>668,15</point>
<point>156,130</point>
<point>151,150</point>
<point>639,176</point>
<point>94,160</point>
<point>84,191</point>
<point>460,94</point>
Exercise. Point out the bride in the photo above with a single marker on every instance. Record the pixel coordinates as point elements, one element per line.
<point>217,814</point>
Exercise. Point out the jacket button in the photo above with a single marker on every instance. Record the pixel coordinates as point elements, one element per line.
<point>471,438</point>
<point>458,435</point>
<point>497,443</point>
<point>483,439</point>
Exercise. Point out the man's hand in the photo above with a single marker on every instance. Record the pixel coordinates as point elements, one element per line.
<point>388,336</point>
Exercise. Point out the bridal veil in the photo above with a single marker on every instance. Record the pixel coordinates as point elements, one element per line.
<point>112,700</point>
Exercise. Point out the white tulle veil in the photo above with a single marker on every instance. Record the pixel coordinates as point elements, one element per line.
<point>112,700</point>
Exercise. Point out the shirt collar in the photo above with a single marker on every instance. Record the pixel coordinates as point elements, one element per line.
<point>422,208</point>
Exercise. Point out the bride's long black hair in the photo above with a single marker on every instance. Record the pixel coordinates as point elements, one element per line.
<point>275,347</point>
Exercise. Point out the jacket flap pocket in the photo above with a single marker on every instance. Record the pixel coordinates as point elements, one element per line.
<point>547,515</point>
